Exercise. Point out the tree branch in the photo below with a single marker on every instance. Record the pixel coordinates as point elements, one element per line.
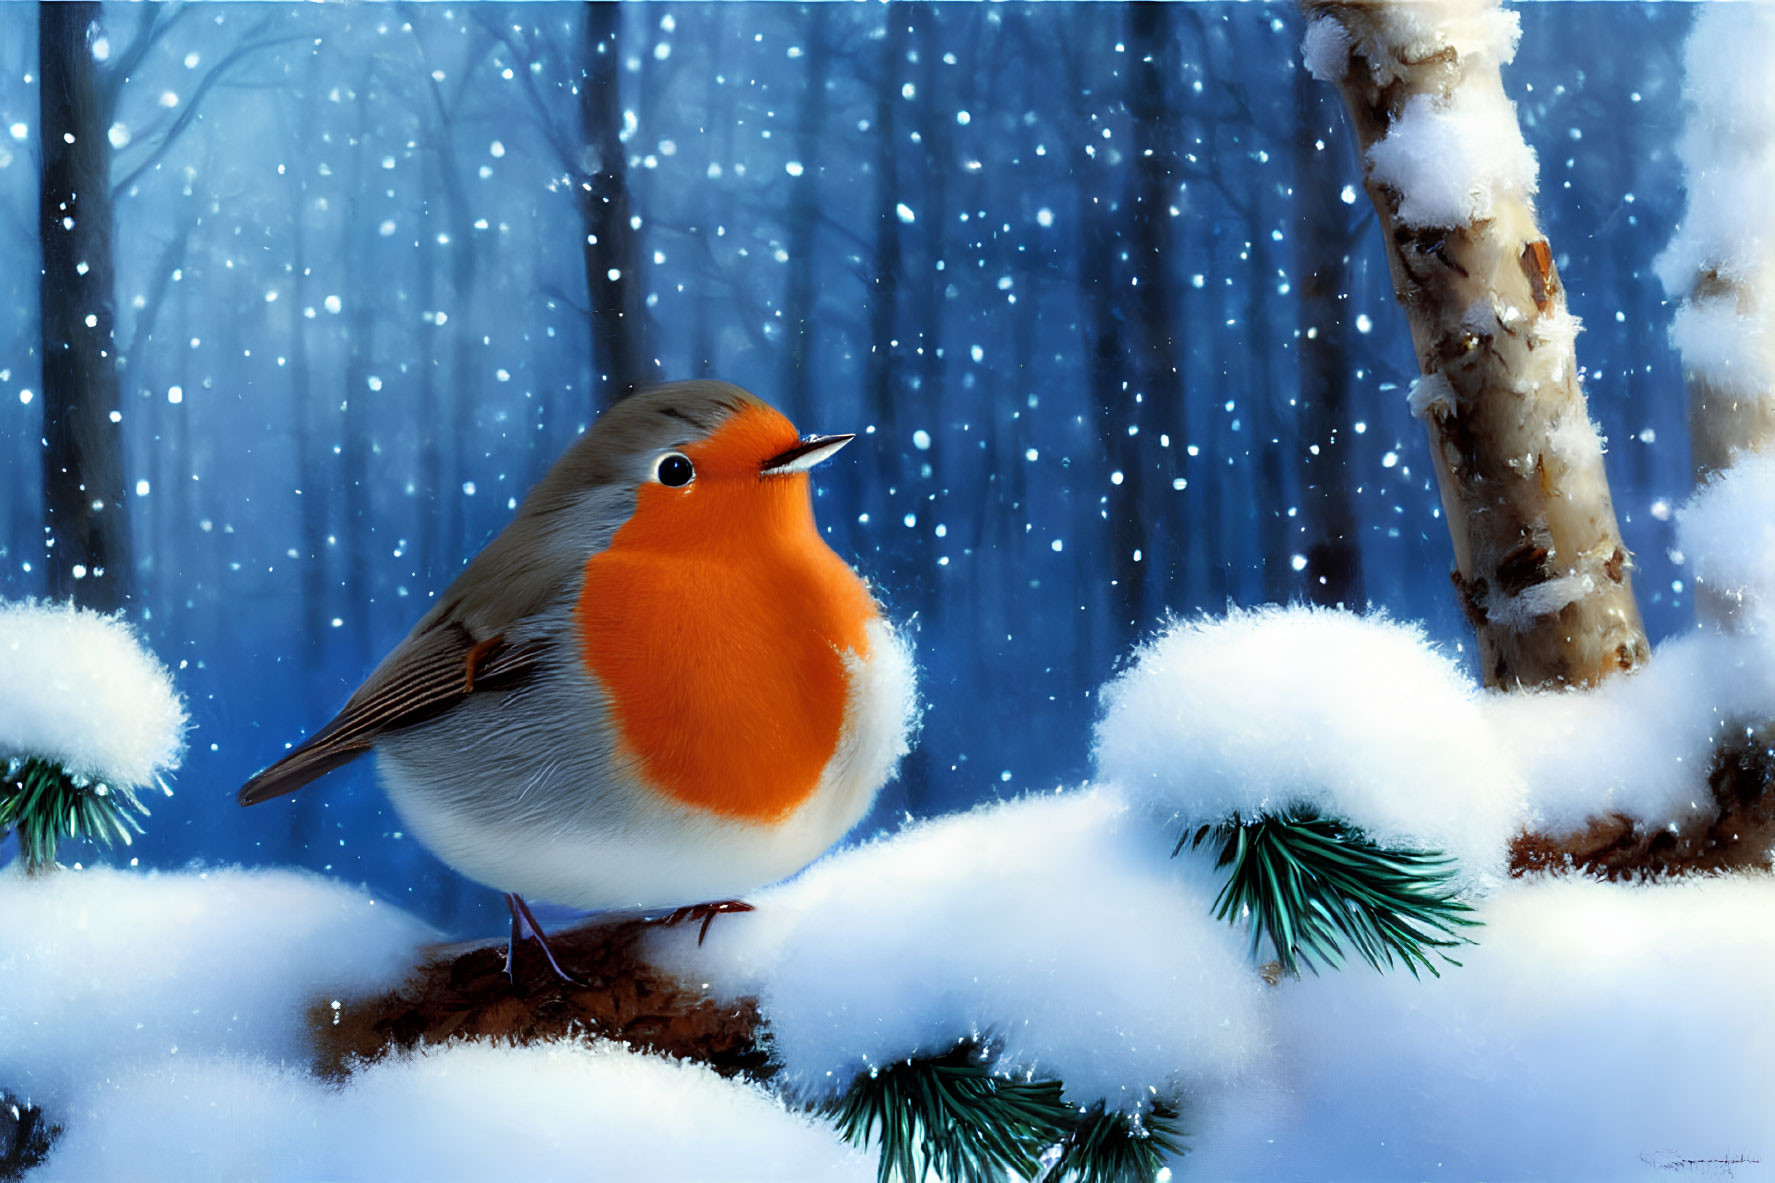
<point>190,112</point>
<point>462,991</point>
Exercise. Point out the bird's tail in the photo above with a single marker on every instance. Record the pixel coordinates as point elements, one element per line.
<point>313,759</point>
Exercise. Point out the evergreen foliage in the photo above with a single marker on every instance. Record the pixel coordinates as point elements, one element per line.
<point>1108,1147</point>
<point>45,804</point>
<point>25,1137</point>
<point>955,1117</point>
<point>1306,881</point>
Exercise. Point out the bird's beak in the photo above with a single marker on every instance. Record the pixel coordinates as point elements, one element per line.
<point>805,454</point>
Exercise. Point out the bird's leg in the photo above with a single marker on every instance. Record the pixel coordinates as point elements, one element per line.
<point>706,913</point>
<point>511,946</point>
<point>522,917</point>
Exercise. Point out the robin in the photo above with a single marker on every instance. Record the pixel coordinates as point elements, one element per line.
<point>656,687</point>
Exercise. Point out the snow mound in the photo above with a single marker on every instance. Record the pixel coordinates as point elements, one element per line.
<point>1637,744</point>
<point>1056,923</point>
<point>79,688</point>
<point>461,1111</point>
<point>1597,1031</point>
<point>102,969</point>
<point>1359,717</point>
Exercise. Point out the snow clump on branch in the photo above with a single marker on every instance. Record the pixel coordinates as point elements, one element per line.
<point>1056,925</point>
<point>100,968</point>
<point>1357,717</point>
<point>1362,719</point>
<point>79,689</point>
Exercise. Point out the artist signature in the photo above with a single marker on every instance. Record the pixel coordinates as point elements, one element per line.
<point>1722,1166</point>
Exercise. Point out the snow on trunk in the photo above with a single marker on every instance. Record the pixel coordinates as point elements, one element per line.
<point>1721,261</point>
<point>1539,562</point>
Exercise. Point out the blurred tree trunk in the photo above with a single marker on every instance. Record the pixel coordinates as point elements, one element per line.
<point>1156,340</point>
<point>612,243</point>
<point>1540,566</point>
<point>83,480</point>
<point>356,443</point>
<point>931,305</point>
<point>703,316</point>
<point>884,379</point>
<point>1322,275</point>
<point>804,218</point>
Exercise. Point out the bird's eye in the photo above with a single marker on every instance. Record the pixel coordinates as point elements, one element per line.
<point>674,470</point>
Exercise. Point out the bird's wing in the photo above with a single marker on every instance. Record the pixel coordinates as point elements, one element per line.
<point>435,668</point>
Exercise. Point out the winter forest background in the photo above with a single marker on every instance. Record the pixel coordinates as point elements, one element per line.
<point>1098,283</point>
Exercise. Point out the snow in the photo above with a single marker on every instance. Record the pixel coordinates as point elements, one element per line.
<point>79,688</point>
<point>1727,528</point>
<point>461,1111</point>
<point>1454,159</point>
<point>1420,31</point>
<point>1732,350</point>
<point>1326,49</point>
<point>104,969</point>
<point>1454,153</point>
<point>1597,1031</point>
<point>1431,394</point>
<point>1057,923</point>
<point>1358,716</point>
<point>1361,718</point>
<point>1727,151</point>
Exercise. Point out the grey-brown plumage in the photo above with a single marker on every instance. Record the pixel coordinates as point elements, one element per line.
<point>476,638</point>
<point>505,752</point>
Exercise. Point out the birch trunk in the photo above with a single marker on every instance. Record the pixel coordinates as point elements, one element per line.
<point>1719,263</point>
<point>1539,562</point>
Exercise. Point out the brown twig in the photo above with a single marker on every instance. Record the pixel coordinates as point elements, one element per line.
<point>461,991</point>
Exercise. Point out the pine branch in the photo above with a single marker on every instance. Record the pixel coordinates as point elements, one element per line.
<point>45,804</point>
<point>955,1117</point>
<point>1306,881</point>
<point>25,1138</point>
<point>1107,1147</point>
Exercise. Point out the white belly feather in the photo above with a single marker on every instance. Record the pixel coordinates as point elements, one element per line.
<point>546,810</point>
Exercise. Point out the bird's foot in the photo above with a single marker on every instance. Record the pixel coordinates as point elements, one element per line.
<point>523,918</point>
<point>706,913</point>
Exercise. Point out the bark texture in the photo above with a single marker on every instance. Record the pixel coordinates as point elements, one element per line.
<point>83,480</point>
<point>1539,563</point>
<point>462,991</point>
<point>1740,836</point>
<point>1727,416</point>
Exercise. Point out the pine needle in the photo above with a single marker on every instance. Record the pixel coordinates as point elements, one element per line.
<point>46,805</point>
<point>1312,884</point>
<point>1106,1147</point>
<point>954,1117</point>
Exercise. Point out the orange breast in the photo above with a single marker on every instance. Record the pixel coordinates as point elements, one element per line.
<point>715,622</point>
